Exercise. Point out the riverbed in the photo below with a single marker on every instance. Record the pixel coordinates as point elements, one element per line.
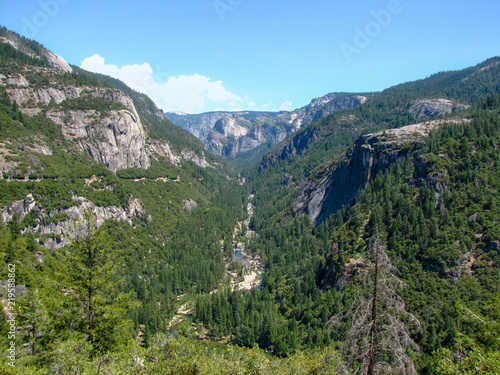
<point>253,268</point>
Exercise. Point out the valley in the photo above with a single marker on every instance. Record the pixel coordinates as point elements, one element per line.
<point>145,241</point>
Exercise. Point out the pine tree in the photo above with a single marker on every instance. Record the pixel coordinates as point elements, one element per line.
<point>378,338</point>
<point>35,318</point>
<point>98,303</point>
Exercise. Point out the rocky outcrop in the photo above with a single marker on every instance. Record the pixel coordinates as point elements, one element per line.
<point>338,184</point>
<point>230,133</point>
<point>115,138</point>
<point>54,60</point>
<point>320,107</point>
<point>57,62</point>
<point>57,234</point>
<point>13,80</point>
<point>431,108</point>
<point>198,124</point>
<point>43,96</point>
<point>227,126</point>
<point>200,161</point>
<point>240,141</point>
<point>162,148</point>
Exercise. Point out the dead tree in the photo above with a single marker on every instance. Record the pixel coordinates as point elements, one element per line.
<point>378,339</point>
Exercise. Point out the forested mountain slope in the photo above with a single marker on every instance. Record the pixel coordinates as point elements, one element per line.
<point>428,189</point>
<point>73,142</point>
<point>284,169</point>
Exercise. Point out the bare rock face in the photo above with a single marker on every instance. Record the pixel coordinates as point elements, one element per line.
<point>61,232</point>
<point>54,60</point>
<point>192,156</point>
<point>58,62</point>
<point>116,141</point>
<point>21,208</point>
<point>231,146</point>
<point>13,80</point>
<point>135,208</point>
<point>43,96</point>
<point>229,138</point>
<point>227,126</point>
<point>115,138</point>
<point>338,184</point>
<point>163,148</point>
<point>430,108</point>
<point>319,108</point>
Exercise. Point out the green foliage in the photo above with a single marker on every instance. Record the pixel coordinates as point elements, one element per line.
<point>438,223</point>
<point>250,317</point>
<point>181,356</point>
<point>466,358</point>
<point>9,53</point>
<point>170,356</point>
<point>95,104</point>
<point>437,211</point>
<point>97,307</point>
<point>323,141</point>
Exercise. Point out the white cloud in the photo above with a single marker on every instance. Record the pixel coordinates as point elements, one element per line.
<point>251,104</point>
<point>183,93</point>
<point>286,106</point>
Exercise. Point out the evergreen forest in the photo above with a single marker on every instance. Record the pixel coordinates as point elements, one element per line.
<point>144,270</point>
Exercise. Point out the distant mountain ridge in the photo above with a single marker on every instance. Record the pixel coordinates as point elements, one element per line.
<point>229,134</point>
<point>441,94</point>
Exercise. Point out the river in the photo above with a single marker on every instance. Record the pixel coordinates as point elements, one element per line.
<point>253,268</point>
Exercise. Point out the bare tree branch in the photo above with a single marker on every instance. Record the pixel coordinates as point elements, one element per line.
<point>378,339</point>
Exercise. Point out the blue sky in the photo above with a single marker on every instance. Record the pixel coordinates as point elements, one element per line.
<point>203,55</point>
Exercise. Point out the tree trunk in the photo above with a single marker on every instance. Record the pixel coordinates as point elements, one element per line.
<point>371,354</point>
<point>91,309</point>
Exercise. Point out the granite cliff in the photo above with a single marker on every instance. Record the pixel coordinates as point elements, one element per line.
<point>338,183</point>
<point>113,135</point>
